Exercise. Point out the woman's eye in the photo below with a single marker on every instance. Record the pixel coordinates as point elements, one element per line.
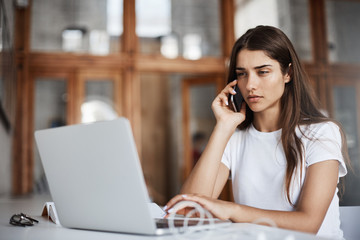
<point>263,72</point>
<point>240,74</point>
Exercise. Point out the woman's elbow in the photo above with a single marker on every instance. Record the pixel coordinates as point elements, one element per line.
<point>312,224</point>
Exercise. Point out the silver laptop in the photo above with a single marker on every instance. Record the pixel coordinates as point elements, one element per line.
<point>95,178</point>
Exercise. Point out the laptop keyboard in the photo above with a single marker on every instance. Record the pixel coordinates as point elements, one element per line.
<point>164,222</point>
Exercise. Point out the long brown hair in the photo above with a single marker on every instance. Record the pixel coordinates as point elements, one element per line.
<point>298,104</point>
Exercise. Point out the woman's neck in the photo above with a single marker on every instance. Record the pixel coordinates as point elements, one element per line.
<point>267,121</point>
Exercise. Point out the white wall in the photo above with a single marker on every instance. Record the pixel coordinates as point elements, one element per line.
<point>5,162</point>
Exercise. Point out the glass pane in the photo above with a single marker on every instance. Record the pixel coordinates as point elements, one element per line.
<point>91,26</point>
<point>291,16</point>
<point>189,29</point>
<point>99,101</point>
<point>346,112</point>
<point>343,21</point>
<point>50,111</point>
<point>202,120</point>
<point>162,140</point>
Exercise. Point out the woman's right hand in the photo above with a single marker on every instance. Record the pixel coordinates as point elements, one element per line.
<point>221,107</point>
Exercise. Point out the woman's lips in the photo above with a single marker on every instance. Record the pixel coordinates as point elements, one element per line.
<point>254,98</point>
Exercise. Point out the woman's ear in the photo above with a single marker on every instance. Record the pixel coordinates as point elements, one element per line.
<point>288,73</point>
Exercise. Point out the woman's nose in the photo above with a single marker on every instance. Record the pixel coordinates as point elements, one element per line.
<point>252,82</point>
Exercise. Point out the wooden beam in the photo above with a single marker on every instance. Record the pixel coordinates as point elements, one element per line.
<point>227,23</point>
<point>318,31</point>
<point>146,63</point>
<point>320,50</point>
<point>68,61</point>
<point>160,64</point>
<point>134,103</point>
<point>21,167</point>
<point>129,38</point>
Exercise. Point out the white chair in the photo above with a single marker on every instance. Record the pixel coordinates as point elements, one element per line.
<point>350,222</point>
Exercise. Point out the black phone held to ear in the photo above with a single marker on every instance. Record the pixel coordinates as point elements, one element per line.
<point>236,99</point>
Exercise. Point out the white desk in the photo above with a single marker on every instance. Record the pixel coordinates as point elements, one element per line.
<point>48,230</point>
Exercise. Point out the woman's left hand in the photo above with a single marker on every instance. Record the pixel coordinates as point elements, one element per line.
<point>218,208</point>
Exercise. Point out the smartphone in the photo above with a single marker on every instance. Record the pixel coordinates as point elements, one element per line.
<point>236,99</point>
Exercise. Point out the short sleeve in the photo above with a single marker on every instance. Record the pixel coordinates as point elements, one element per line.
<point>226,158</point>
<point>323,142</point>
<point>231,149</point>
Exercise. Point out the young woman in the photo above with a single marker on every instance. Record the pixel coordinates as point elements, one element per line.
<point>285,157</point>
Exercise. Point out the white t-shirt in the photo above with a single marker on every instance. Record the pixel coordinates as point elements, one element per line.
<point>258,166</point>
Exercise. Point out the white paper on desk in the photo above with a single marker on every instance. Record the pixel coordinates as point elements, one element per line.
<point>156,211</point>
<point>49,210</point>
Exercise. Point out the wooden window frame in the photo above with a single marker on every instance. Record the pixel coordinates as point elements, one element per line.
<point>130,63</point>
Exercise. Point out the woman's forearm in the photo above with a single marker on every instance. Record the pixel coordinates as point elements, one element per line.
<point>301,219</point>
<point>293,220</point>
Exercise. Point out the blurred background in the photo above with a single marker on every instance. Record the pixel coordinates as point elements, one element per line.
<point>159,63</point>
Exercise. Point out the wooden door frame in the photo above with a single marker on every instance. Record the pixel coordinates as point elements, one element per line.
<point>24,146</point>
<point>345,80</point>
<point>185,96</point>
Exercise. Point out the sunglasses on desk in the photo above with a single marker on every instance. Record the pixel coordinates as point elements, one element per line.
<point>22,220</point>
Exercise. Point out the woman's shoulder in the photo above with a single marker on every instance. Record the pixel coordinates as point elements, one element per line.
<point>240,132</point>
<point>320,129</point>
<point>238,135</point>
<point>320,125</point>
